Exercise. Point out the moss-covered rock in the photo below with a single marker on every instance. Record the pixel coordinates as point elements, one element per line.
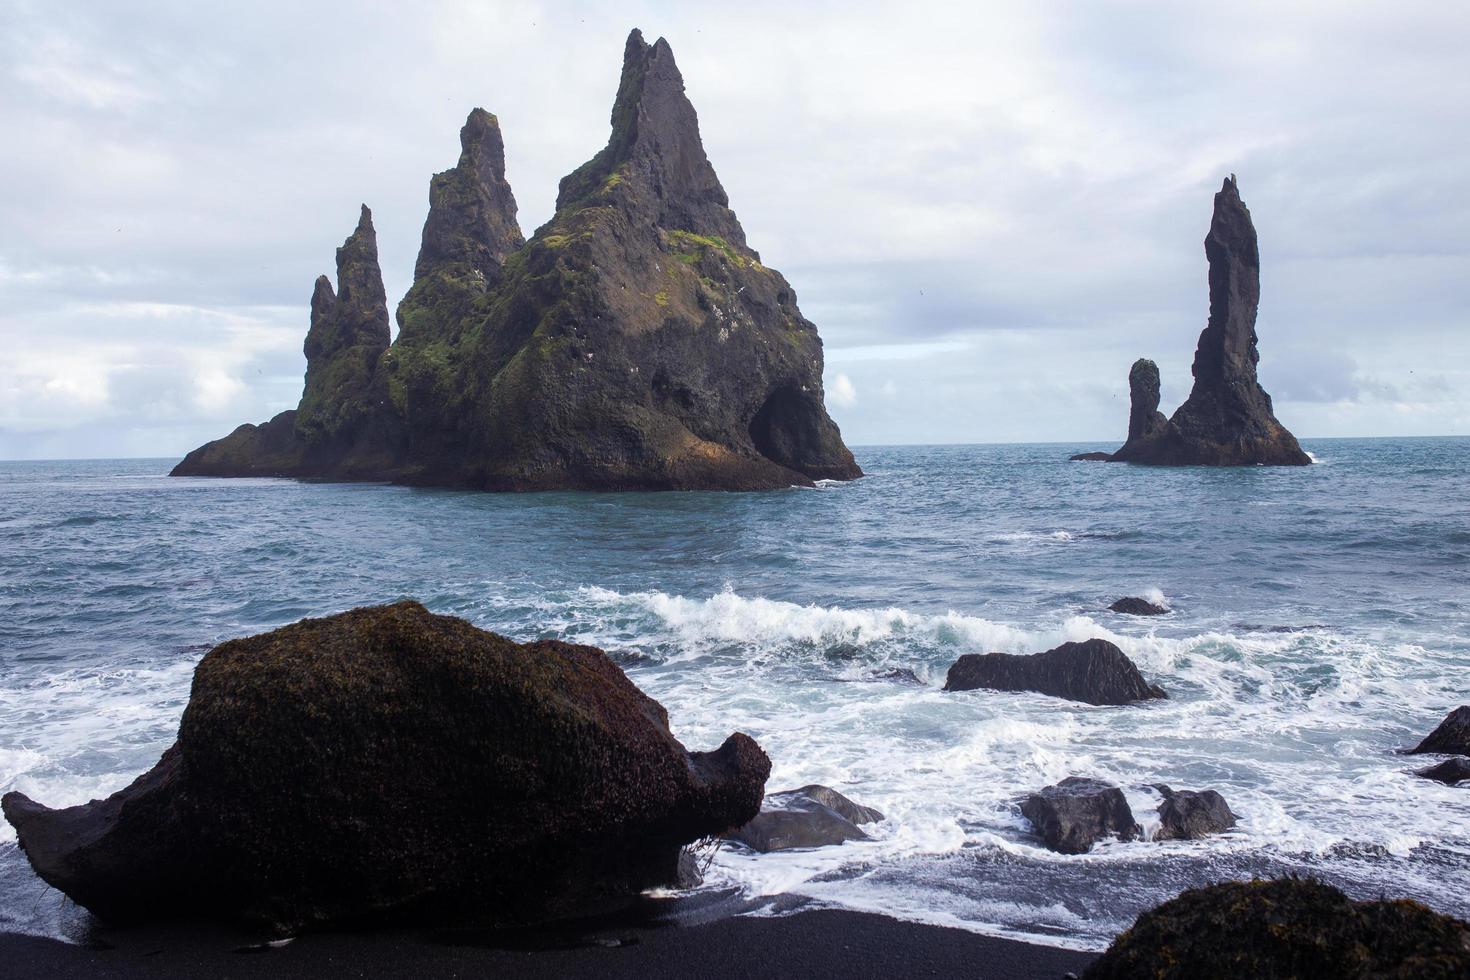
<point>1286,930</point>
<point>387,761</point>
<point>634,342</point>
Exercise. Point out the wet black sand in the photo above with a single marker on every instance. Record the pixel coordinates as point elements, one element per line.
<point>819,943</point>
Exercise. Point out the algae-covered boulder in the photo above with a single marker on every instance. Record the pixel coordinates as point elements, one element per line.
<point>1289,930</point>
<point>387,761</point>
<point>635,341</point>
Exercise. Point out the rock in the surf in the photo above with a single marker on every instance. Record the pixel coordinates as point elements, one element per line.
<point>1449,772</point>
<point>812,816</point>
<point>1094,672</point>
<point>1189,815</point>
<point>1452,737</point>
<point>387,762</point>
<point>1228,419</point>
<point>1293,928</point>
<point>1073,815</point>
<point>1136,606</point>
<point>1094,457</point>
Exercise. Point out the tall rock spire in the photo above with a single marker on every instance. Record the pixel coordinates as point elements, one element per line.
<point>654,156</point>
<point>349,332</point>
<point>1228,419</point>
<point>472,225</point>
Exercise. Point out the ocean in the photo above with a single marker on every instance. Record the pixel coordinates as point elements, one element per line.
<point>1319,624</point>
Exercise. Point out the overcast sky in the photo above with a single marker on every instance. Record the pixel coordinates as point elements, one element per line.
<point>989,210</point>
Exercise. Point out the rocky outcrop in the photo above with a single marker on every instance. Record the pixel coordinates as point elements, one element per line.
<point>1136,606</point>
<point>387,762</point>
<point>1290,928</point>
<point>1452,737</point>
<point>1189,815</point>
<point>1450,772</point>
<point>1094,672</point>
<point>1228,419</point>
<point>1076,813</point>
<point>813,816</point>
<point>636,341</point>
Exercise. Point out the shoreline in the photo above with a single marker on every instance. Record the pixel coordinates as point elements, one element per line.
<point>816,942</point>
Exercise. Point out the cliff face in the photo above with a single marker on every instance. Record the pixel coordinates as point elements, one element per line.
<point>634,342</point>
<point>1228,419</point>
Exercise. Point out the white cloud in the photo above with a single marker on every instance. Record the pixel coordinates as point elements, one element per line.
<point>841,392</point>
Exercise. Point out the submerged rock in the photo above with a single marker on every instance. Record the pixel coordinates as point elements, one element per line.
<point>1094,672</point>
<point>1452,737</point>
<point>1291,928</point>
<point>1076,813</point>
<point>1228,419</point>
<point>1091,457</point>
<point>387,762</point>
<point>813,816</point>
<point>1449,772</point>
<point>1189,815</point>
<point>1135,606</point>
<point>634,342</point>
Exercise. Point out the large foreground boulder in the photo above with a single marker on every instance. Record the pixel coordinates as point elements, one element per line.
<point>1452,737</point>
<point>1189,815</point>
<point>1228,419</point>
<point>1094,672</point>
<point>1076,813</point>
<point>813,816</point>
<point>387,762</point>
<point>1289,929</point>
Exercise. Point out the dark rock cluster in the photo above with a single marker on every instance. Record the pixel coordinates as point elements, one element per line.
<point>1189,815</point>
<point>1451,737</point>
<point>635,341</point>
<point>1093,671</point>
<point>1228,419</point>
<point>387,762</point>
<point>812,816</point>
<point>1298,929</point>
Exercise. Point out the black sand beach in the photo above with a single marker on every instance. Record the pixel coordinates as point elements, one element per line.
<point>822,943</point>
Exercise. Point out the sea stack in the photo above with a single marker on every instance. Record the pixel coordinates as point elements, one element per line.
<point>1228,419</point>
<point>635,341</point>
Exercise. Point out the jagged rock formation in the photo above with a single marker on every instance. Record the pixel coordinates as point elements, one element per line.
<point>634,342</point>
<point>1228,419</point>
<point>1294,928</point>
<point>387,763</point>
<point>1094,672</point>
<point>1076,813</point>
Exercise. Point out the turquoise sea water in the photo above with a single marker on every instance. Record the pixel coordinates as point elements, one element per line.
<point>1321,620</point>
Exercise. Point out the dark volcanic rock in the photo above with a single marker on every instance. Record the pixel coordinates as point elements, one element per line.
<point>1299,929</point>
<point>1135,606</point>
<point>387,762</point>
<point>1452,737</point>
<point>1095,672</point>
<point>634,342</point>
<point>1449,772</point>
<point>1078,812</point>
<point>1092,458</point>
<point>1228,419</point>
<point>1189,815</point>
<point>813,816</point>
